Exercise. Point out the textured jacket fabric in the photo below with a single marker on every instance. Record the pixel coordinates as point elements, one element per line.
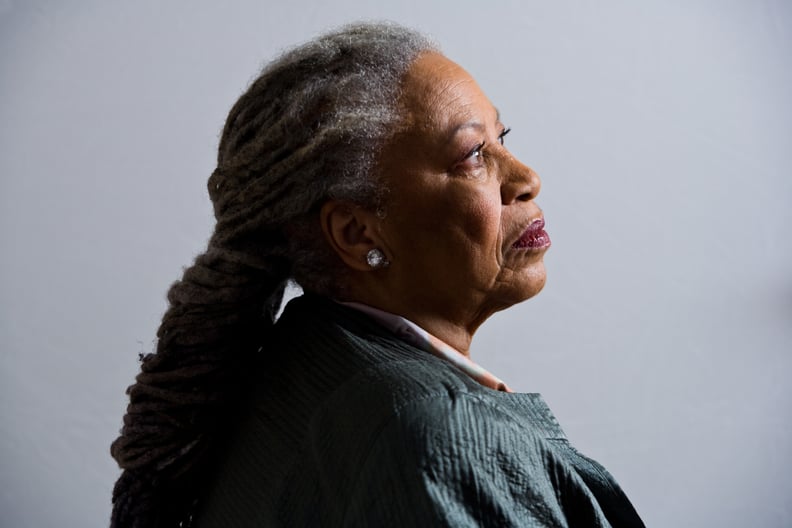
<point>350,426</point>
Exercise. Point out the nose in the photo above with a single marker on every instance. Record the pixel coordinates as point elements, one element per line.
<point>519,182</point>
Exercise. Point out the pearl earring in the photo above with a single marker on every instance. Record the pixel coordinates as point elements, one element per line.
<point>376,258</point>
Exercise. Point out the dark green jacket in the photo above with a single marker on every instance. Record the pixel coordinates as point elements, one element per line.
<point>350,426</point>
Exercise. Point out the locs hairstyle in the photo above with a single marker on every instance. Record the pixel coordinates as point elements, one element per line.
<point>307,129</point>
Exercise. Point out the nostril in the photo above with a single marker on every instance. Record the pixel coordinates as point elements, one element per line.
<point>522,189</point>
<point>522,184</point>
<point>516,193</point>
<point>525,197</point>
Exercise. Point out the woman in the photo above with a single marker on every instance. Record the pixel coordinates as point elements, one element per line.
<point>372,171</point>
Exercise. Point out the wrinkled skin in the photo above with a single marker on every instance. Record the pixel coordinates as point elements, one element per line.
<point>453,211</point>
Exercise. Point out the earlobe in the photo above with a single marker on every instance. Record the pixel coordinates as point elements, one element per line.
<point>351,231</point>
<point>376,259</point>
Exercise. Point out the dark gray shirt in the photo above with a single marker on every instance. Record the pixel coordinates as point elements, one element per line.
<point>347,425</point>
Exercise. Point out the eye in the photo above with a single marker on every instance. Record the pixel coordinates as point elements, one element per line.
<point>474,160</point>
<point>476,153</point>
<point>503,134</point>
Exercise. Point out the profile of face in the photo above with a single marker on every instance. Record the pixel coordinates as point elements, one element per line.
<point>462,231</point>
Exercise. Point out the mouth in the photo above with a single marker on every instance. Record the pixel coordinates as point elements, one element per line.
<point>534,237</point>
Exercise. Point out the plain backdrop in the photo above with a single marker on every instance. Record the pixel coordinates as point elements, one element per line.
<point>663,134</point>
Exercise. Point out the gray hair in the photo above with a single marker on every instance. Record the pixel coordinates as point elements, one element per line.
<point>309,128</point>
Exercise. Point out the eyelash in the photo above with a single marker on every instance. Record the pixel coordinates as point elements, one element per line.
<point>480,147</point>
<point>503,134</point>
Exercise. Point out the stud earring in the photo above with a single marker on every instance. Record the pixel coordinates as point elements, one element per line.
<point>376,258</point>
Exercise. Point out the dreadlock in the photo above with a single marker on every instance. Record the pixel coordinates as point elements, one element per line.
<point>306,130</point>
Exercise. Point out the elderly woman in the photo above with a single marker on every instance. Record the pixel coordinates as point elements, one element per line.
<point>372,171</point>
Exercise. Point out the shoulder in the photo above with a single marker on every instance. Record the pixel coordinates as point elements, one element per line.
<point>433,416</point>
<point>470,431</point>
<point>451,457</point>
<point>407,389</point>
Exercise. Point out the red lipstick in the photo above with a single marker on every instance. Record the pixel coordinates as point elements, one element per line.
<point>535,237</point>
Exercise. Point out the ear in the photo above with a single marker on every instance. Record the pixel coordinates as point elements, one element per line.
<point>351,231</point>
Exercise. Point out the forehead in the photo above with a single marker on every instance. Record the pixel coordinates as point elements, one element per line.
<point>439,92</point>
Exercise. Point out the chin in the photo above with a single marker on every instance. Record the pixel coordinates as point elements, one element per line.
<point>532,279</point>
<point>533,289</point>
<point>526,285</point>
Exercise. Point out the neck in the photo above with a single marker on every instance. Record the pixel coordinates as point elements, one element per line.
<point>455,335</point>
<point>455,329</point>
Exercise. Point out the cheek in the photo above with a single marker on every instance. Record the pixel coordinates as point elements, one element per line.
<point>460,222</point>
<point>482,222</point>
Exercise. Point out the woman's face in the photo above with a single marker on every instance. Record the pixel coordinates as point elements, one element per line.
<point>462,231</point>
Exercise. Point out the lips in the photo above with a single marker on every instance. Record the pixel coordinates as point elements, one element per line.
<point>534,237</point>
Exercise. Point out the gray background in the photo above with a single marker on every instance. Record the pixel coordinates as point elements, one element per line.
<point>662,132</point>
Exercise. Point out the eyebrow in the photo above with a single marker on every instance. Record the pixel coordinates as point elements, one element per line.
<point>473,124</point>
